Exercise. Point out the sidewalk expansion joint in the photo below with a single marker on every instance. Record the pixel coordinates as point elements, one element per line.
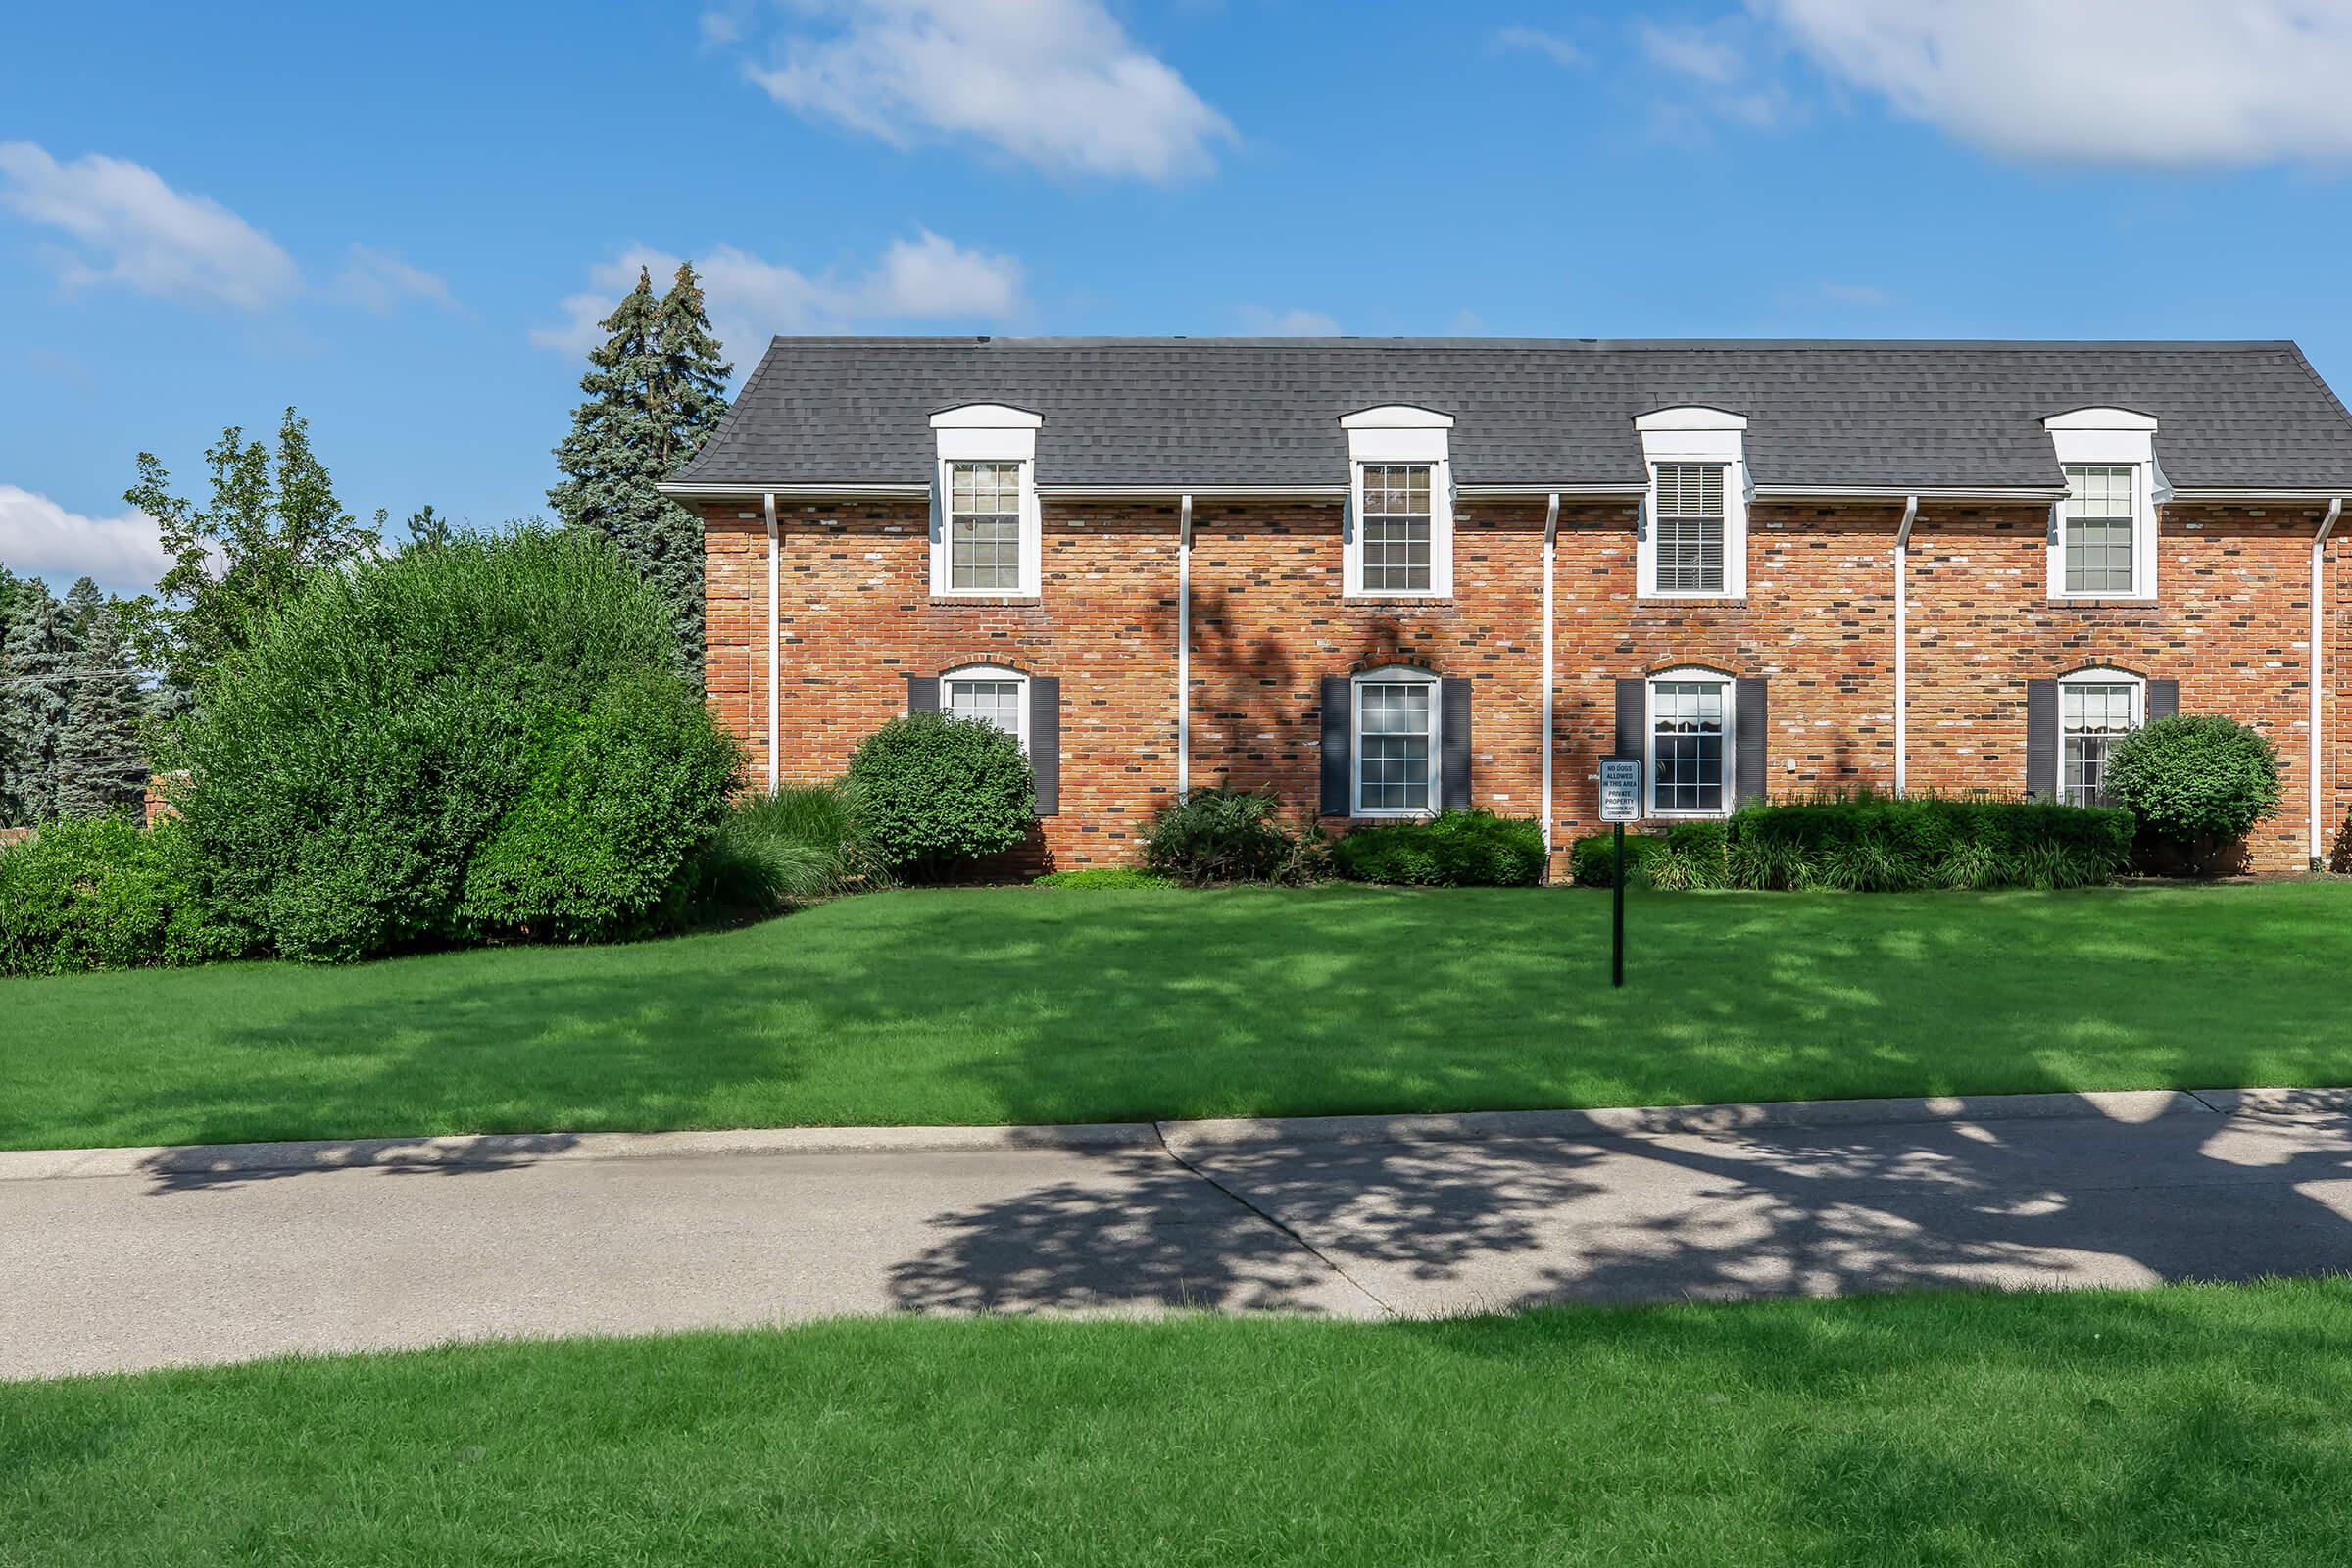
<point>1274,1220</point>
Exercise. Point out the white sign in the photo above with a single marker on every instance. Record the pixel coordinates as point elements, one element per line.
<point>1621,789</point>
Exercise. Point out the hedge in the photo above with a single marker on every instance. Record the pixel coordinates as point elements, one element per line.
<point>1453,849</point>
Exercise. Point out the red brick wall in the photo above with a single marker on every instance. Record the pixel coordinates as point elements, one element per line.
<point>1269,621</point>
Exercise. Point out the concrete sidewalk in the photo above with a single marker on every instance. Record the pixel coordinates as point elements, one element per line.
<point>125,1258</point>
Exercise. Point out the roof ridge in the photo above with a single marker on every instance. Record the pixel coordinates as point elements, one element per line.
<point>1565,344</point>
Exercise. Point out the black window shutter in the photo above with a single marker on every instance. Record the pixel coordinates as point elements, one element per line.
<point>1453,743</point>
<point>2164,699</point>
<point>1752,723</point>
<point>2041,739</point>
<point>1045,741</point>
<point>923,694</point>
<point>1632,703</point>
<point>1337,721</point>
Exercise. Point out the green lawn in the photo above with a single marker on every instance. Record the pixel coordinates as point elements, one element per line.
<point>1028,1005</point>
<point>2186,1425</point>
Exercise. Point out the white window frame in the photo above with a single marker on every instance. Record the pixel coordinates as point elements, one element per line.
<point>986,432</point>
<point>997,674</point>
<point>1395,675</point>
<point>1694,433</point>
<point>1685,674</point>
<point>2097,675</point>
<point>2109,438</point>
<point>1391,434</point>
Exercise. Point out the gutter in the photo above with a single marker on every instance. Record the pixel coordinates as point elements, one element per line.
<point>1551,532</point>
<point>2319,633</point>
<point>774,759</point>
<point>1865,492</point>
<point>1184,646</point>
<point>1902,646</point>
<point>792,492</point>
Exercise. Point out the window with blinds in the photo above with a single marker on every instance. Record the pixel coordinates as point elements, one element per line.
<point>1688,528</point>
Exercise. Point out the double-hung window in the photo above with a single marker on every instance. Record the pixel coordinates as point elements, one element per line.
<point>984,528</point>
<point>1691,539</point>
<point>2095,712</point>
<point>1396,715</point>
<point>1397,528</point>
<point>2102,537</point>
<point>988,696</point>
<point>1690,525</point>
<point>2098,529</point>
<point>1689,744</point>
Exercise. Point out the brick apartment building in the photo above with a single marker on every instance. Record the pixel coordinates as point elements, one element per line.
<point>1383,576</point>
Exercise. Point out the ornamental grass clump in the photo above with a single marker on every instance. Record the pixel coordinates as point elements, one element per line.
<point>775,851</point>
<point>1870,843</point>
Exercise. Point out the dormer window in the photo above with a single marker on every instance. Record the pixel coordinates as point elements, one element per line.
<point>1398,534</point>
<point>1693,540</point>
<point>2102,542</point>
<point>985,523</point>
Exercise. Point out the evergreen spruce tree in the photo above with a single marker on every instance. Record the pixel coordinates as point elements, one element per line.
<point>83,603</point>
<point>12,589</point>
<point>34,703</point>
<point>101,765</point>
<point>656,389</point>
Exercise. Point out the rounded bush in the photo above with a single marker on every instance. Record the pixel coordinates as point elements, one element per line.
<point>345,770</point>
<point>1593,858</point>
<point>2195,778</point>
<point>932,790</point>
<point>1228,835</point>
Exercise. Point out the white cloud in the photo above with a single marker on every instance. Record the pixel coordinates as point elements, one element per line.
<point>40,538</point>
<point>2159,83</point>
<point>751,299</point>
<point>378,281</point>
<point>1260,321</point>
<point>126,225</point>
<point>1535,40</point>
<point>1705,52</point>
<point>1056,83</point>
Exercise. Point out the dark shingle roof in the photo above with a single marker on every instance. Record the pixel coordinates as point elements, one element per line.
<point>1542,410</point>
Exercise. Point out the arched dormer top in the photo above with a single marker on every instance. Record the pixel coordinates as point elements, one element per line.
<point>1396,417</point>
<point>986,416</point>
<point>1689,416</point>
<point>2101,417</point>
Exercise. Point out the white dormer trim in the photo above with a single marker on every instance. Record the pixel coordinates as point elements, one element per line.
<point>1399,432</point>
<point>2110,437</point>
<point>987,432</point>
<point>1696,432</point>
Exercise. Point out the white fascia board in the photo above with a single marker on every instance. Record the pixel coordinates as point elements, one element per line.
<point>1331,492</point>
<point>822,491</point>
<point>2247,492</point>
<point>1614,490</point>
<point>2043,494</point>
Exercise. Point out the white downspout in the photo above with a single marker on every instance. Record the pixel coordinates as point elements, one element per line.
<point>2319,633</point>
<point>1903,647</point>
<point>1184,646</point>
<point>775,762</point>
<point>1551,533</point>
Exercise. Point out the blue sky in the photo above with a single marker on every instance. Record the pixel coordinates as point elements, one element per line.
<point>400,218</point>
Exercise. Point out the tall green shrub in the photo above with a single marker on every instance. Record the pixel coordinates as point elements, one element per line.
<point>933,791</point>
<point>619,798</point>
<point>2196,780</point>
<point>346,768</point>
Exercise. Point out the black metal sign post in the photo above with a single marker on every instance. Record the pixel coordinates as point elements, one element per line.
<point>1620,803</point>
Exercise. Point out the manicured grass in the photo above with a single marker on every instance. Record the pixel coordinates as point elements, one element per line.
<point>1028,1005</point>
<point>2187,1425</point>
